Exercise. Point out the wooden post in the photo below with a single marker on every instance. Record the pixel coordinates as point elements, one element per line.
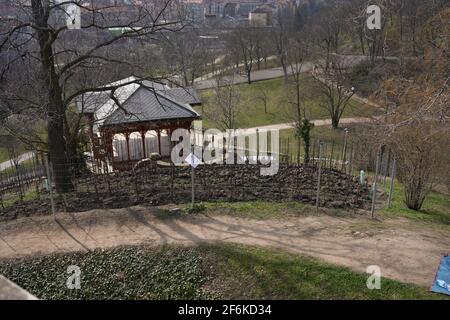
<point>50,187</point>
<point>318,176</point>
<point>344,151</point>
<point>109,139</point>
<point>374,186</point>
<point>159,141</point>
<point>127,138</point>
<point>391,188</point>
<point>288,151</point>
<point>192,177</point>
<point>332,154</point>
<point>386,168</point>
<point>350,162</point>
<point>143,144</point>
<point>257,146</point>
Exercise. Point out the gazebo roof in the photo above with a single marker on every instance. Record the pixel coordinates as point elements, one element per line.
<point>148,105</point>
<point>141,101</point>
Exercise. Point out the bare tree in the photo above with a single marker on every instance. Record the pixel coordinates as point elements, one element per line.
<point>242,45</point>
<point>184,55</point>
<point>226,103</point>
<point>262,48</point>
<point>263,97</point>
<point>416,126</point>
<point>296,57</point>
<point>279,37</point>
<point>298,53</point>
<point>52,58</point>
<point>331,83</point>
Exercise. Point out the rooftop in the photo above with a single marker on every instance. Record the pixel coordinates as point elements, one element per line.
<point>137,100</point>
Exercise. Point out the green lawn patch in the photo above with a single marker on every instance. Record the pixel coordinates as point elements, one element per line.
<point>435,210</point>
<point>268,274</point>
<point>279,110</point>
<point>4,156</point>
<point>259,209</point>
<point>204,272</point>
<point>333,138</point>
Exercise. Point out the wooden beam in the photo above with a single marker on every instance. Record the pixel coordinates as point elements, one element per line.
<point>143,144</point>
<point>127,138</point>
<point>159,141</point>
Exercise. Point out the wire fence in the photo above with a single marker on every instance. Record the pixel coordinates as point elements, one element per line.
<point>75,185</point>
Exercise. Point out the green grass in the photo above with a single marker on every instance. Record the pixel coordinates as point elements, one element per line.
<point>4,156</point>
<point>10,199</point>
<point>204,272</point>
<point>435,210</point>
<point>334,141</point>
<point>251,108</point>
<point>23,166</point>
<point>259,209</point>
<point>262,210</point>
<point>271,274</point>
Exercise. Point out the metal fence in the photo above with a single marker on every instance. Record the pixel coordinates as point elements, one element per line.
<point>35,179</point>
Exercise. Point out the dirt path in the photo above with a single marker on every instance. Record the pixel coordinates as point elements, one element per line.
<point>406,255</point>
<point>317,123</point>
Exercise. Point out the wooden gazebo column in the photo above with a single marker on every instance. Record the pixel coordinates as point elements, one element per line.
<point>108,140</point>
<point>159,140</point>
<point>127,138</point>
<point>143,144</point>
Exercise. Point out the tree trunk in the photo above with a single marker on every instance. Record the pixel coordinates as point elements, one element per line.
<point>307,145</point>
<point>56,109</point>
<point>283,64</point>
<point>335,122</point>
<point>249,79</point>
<point>56,149</point>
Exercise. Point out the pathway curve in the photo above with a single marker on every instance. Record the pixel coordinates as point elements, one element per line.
<point>317,123</point>
<point>23,157</point>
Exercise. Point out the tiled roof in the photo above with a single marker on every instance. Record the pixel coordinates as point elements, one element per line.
<point>187,95</point>
<point>144,101</point>
<point>148,105</point>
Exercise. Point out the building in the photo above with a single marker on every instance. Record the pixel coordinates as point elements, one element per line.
<point>136,122</point>
<point>194,10</point>
<point>262,16</point>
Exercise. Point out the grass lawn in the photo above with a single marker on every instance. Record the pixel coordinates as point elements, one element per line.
<point>251,107</point>
<point>9,199</point>
<point>435,210</point>
<point>334,142</point>
<point>207,271</point>
<point>262,210</point>
<point>4,156</point>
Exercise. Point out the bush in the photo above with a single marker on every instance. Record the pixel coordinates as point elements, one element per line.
<point>195,208</point>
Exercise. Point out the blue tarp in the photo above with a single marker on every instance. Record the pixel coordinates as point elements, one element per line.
<point>442,281</point>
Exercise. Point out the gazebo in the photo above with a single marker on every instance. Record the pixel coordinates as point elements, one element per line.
<point>136,121</point>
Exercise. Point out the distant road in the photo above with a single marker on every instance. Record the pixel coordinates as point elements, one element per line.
<point>208,81</point>
<point>23,157</point>
<point>257,75</point>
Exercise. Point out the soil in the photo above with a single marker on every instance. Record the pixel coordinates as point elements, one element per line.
<point>404,253</point>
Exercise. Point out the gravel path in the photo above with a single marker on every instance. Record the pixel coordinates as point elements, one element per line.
<point>21,158</point>
<point>317,123</point>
